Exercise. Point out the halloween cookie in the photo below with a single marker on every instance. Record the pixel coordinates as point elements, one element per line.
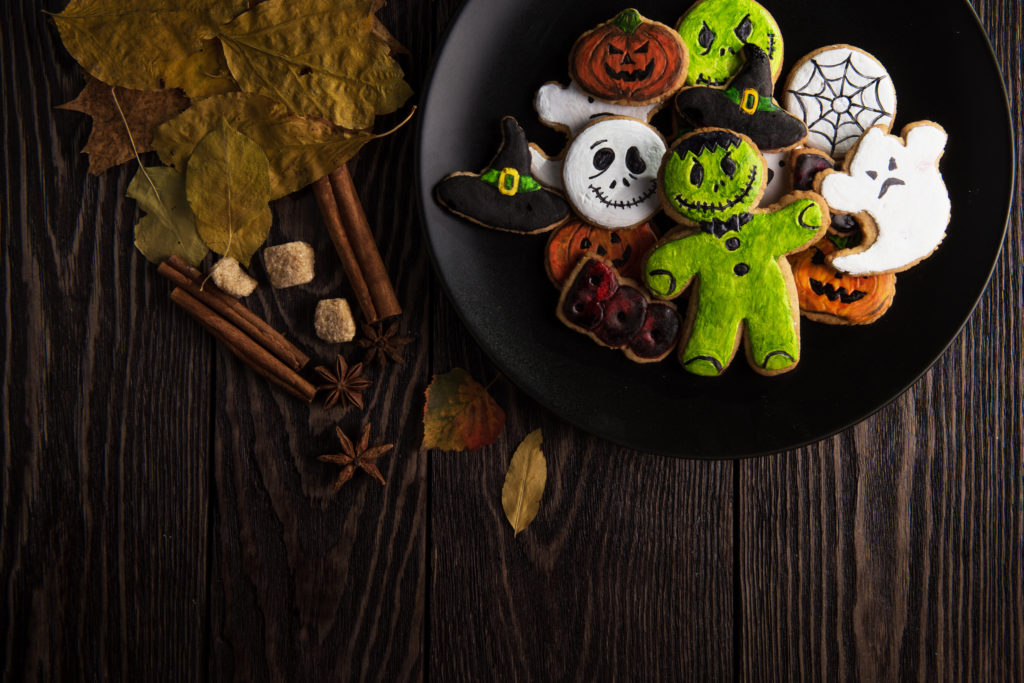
<point>715,31</point>
<point>624,249</point>
<point>629,60</point>
<point>896,182</point>
<point>840,91</point>
<point>713,178</point>
<point>828,296</point>
<point>805,164</point>
<point>569,109</point>
<point>609,172</point>
<point>745,105</point>
<point>615,312</point>
<point>777,181</point>
<point>504,196</point>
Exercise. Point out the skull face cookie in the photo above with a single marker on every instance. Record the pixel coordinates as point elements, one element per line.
<point>610,172</point>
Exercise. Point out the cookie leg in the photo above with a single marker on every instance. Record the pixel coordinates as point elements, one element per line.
<point>711,345</point>
<point>773,343</point>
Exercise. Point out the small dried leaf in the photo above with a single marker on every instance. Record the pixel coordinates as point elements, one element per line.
<point>138,43</point>
<point>460,414</point>
<point>108,143</point>
<point>169,228</point>
<point>299,150</point>
<point>319,58</point>
<point>524,482</point>
<point>228,186</point>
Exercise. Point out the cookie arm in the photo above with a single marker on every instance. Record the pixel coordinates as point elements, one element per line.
<point>797,225</point>
<point>671,267</point>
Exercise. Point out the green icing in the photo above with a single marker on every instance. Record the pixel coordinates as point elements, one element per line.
<point>759,298</point>
<point>628,20</point>
<point>526,183</point>
<point>722,22</point>
<point>700,194</point>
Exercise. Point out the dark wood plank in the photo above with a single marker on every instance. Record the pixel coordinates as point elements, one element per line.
<point>894,551</point>
<point>104,405</point>
<point>306,585</point>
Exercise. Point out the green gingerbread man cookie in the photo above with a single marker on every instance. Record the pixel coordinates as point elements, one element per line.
<point>715,32</point>
<point>712,178</point>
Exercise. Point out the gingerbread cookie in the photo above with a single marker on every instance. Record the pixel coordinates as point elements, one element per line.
<point>624,249</point>
<point>713,178</point>
<point>745,105</point>
<point>629,60</point>
<point>840,91</point>
<point>569,109</point>
<point>777,182</point>
<point>897,183</point>
<point>614,312</point>
<point>504,196</point>
<point>715,31</point>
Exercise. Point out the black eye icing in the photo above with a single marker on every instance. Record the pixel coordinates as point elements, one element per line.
<point>771,176</point>
<point>603,158</point>
<point>729,167</point>
<point>634,162</point>
<point>744,29</point>
<point>892,163</point>
<point>872,174</point>
<point>697,174</point>
<point>612,50</point>
<point>615,239</point>
<point>706,36</point>
<point>642,50</point>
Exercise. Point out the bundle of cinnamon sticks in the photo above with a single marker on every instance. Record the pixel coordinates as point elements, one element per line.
<point>244,333</point>
<point>350,232</point>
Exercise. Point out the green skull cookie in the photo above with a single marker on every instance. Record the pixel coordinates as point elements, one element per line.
<point>715,32</point>
<point>713,178</point>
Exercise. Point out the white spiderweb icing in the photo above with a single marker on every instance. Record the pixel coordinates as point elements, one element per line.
<point>839,100</point>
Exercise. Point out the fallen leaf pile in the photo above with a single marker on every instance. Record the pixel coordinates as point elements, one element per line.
<point>248,102</point>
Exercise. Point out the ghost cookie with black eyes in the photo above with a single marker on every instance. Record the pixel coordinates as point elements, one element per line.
<point>897,183</point>
<point>629,60</point>
<point>609,173</point>
<point>744,287</point>
<point>715,31</point>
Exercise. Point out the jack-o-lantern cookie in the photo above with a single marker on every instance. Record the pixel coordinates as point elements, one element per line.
<point>715,31</point>
<point>629,60</point>
<point>615,312</point>
<point>504,196</point>
<point>896,181</point>
<point>840,91</point>
<point>713,178</point>
<point>624,249</point>
<point>745,105</point>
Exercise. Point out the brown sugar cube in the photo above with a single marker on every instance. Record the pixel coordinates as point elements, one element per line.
<point>289,264</point>
<point>229,276</point>
<point>334,322</point>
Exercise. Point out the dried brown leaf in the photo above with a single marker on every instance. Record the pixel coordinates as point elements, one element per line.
<point>460,414</point>
<point>524,482</point>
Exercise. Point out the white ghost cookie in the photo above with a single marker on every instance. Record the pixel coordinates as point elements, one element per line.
<point>839,91</point>
<point>610,172</point>
<point>777,183</point>
<point>569,109</point>
<point>896,181</point>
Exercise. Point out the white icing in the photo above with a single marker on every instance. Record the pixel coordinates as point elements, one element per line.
<point>561,106</point>
<point>610,173</point>
<point>778,183</point>
<point>911,218</point>
<point>840,93</point>
<point>546,171</point>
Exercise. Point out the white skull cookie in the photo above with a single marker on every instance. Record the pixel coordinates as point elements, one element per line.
<point>610,172</point>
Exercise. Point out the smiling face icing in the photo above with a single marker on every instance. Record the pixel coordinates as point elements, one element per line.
<point>715,32</point>
<point>610,172</point>
<point>713,174</point>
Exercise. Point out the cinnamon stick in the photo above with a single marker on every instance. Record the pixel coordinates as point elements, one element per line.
<point>247,350</point>
<point>191,280</point>
<point>353,218</point>
<point>349,262</point>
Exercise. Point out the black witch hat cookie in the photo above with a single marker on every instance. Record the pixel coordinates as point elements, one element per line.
<point>504,196</point>
<point>745,105</point>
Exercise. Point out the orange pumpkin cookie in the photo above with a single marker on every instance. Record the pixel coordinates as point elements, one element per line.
<point>625,249</point>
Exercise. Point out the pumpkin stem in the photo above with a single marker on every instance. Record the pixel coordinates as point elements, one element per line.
<point>628,20</point>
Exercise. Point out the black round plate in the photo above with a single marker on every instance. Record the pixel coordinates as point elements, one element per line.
<point>499,52</point>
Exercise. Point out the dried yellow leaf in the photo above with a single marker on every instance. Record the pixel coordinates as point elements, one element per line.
<point>169,228</point>
<point>524,482</point>
<point>228,187</point>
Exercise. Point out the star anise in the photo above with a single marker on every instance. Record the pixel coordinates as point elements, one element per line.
<point>345,383</point>
<point>353,456</point>
<point>383,345</point>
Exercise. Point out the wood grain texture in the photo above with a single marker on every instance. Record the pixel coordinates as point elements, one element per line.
<point>894,550</point>
<point>105,406</point>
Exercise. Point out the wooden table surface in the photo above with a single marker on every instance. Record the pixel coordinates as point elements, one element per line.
<point>164,516</point>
